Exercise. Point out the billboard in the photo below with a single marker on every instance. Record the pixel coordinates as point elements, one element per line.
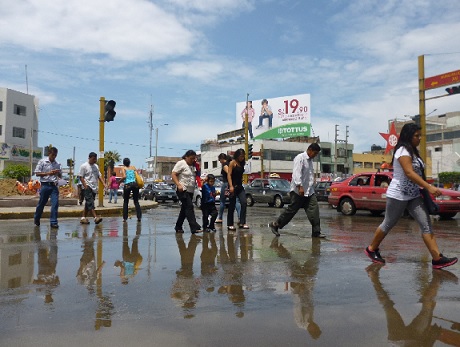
<point>274,118</point>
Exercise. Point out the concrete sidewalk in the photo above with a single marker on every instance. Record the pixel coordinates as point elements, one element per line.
<point>23,207</point>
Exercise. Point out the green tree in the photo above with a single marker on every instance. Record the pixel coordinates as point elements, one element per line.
<point>110,158</point>
<point>16,171</point>
<point>449,177</point>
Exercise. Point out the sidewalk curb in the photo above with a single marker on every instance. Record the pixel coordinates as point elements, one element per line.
<point>76,211</point>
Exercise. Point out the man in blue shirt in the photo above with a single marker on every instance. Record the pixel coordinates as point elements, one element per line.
<point>302,193</point>
<point>49,171</point>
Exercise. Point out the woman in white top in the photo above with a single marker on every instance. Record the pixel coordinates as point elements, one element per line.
<point>404,193</point>
<point>184,177</point>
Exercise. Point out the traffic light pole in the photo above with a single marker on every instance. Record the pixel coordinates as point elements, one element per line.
<point>421,105</point>
<point>101,150</point>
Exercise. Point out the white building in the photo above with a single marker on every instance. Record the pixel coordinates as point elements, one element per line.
<point>18,129</point>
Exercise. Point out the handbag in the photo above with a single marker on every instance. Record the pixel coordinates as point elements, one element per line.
<point>431,206</point>
<point>139,180</point>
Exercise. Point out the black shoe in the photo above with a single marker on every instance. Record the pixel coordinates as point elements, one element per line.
<point>443,262</point>
<point>179,231</point>
<point>197,231</point>
<point>318,235</point>
<point>55,226</point>
<point>37,222</point>
<point>274,228</point>
<point>374,256</point>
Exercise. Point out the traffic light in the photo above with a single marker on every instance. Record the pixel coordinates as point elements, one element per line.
<point>110,111</point>
<point>453,90</point>
<point>69,163</point>
<point>250,150</point>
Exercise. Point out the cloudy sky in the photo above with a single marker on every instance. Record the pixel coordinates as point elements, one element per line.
<point>195,59</point>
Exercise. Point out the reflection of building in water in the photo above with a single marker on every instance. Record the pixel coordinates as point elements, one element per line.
<point>185,289</point>
<point>233,279</point>
<point>16,260</point>
<point>303,274</point>
<point>421,331</point>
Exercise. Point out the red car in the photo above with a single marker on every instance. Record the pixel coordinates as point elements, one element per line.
<point>367,191</point>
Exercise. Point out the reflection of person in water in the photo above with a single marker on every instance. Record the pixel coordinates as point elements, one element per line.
<point>420,332</point>
<point>185,288</point>
<point>302,285</point>
<point>88,272</point>
<point>208,259</point>
<point>132,259</point>
<point>47,261</point>
<point>233,271</point>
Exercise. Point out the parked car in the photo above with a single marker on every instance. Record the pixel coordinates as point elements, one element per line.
<point>274,191</point>
<point>322,190</point>
<point>367,191</point>
<point>159,192</point>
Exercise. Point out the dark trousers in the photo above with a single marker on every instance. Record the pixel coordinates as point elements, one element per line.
<point>240,194</point>
<point>309,204</point>
<point>209,209</point>
<point>48,190</point>
<point>186,211</point>
<point>128,188</point>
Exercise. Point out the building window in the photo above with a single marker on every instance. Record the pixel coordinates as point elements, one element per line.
<point>1,130</point>
<point>206,166</point>
<point>19,132</point>
<point>357,164</point>
<point>438,149</point>
<point>19,110</point>
<point>368,165</point>
<point>1,106</point>
<point>214,164</point>
<point>326,152</point>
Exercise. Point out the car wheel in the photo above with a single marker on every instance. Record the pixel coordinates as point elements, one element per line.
<point>347,207</point>
<point>249,200</point>
<point>376,213</point>
<point>198,201</point>
<point>278,201</point>
<point>447,215</point>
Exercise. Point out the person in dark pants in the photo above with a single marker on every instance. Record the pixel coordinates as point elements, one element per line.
<point>302,193</point>
<point>184,176</point>
<point>49,171</point>
<point>208,203</point>
<point>235,184</point>
<point>129,177</point>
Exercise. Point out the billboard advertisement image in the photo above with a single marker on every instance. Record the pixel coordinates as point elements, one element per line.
<point>275,118</point>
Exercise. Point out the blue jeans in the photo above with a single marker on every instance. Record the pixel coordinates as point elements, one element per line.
<point>223,200</point>
<point>47,191</point>
<point>113,193</point>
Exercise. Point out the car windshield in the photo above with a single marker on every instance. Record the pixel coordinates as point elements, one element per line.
<point>279,184</point>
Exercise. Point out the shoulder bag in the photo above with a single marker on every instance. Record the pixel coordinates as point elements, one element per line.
<point>431,206</point>
<point>139,180</point>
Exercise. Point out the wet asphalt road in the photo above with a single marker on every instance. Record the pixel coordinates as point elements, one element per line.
<point>118,284</point>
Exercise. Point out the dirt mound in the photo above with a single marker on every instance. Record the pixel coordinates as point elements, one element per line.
<point>8,187</point>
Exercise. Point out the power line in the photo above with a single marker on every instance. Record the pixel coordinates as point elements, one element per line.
<point>96,140</point>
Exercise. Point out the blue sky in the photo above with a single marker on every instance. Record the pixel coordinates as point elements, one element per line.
<point>194,59</point>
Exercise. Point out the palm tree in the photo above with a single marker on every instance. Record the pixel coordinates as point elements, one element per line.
<point>110,158</point>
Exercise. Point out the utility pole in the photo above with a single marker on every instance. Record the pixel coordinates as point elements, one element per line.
<point>335,148</point>
<point>246,136</point>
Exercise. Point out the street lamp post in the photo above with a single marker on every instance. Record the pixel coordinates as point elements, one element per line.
<point>156,151</point>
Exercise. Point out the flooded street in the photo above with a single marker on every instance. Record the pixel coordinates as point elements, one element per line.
<point>116,284</point>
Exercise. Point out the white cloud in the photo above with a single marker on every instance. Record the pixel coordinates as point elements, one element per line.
<point>134,30</point>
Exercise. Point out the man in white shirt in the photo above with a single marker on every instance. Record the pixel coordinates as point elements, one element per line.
<point>89,177</point>
<point>49,171</point>
<point>302,193</point>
